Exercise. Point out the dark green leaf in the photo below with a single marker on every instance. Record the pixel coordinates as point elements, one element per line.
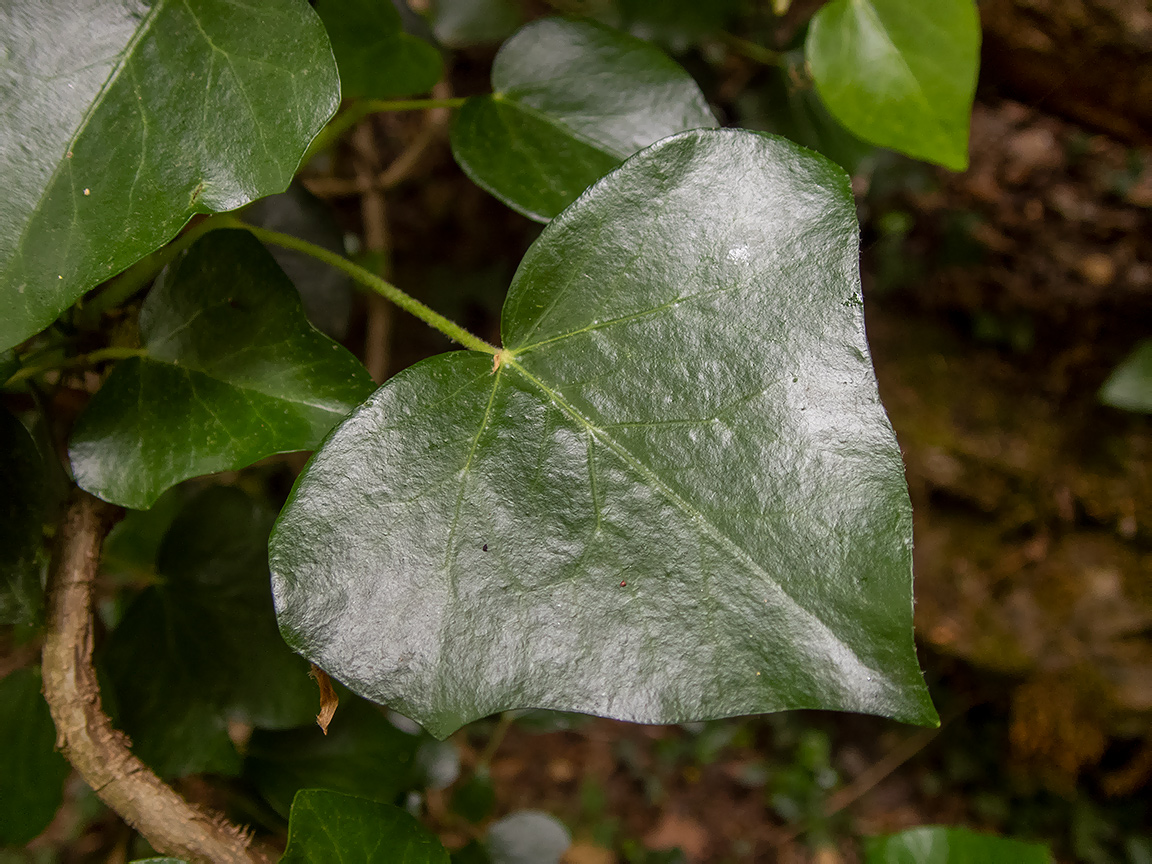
<point>900,73</point>
<point>233,373</point>
<point>677,23</point>
<point>474,798</point>
<point>119,121</point>
<point>787,104</point>
<point>458,23</point>
<point>528,837</point>
<point>473,853</point>
<point>362,754</point>
<point>31,771</point>
<point>941,845</point>
<point>325,291</point>
<point>572,99</point>
<point>158,861</point>
<point>376,57</point>
<point>678,498</point>
<point>1130,384</point>
<point>340,829</point>
<point>22,507</point>
<point>202,647</point>
<point>8,364</point>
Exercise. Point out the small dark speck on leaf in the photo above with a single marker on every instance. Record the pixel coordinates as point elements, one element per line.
<point>484,548</point>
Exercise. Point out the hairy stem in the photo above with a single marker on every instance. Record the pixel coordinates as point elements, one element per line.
<point>370,280</point>
<point>83,731</point>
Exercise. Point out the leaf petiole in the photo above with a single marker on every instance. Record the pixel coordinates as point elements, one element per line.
<point>369,280</point>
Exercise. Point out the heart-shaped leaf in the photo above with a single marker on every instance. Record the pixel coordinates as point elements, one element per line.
<point>201,647</point>
<point>677,497</point>
<point>900,73</point>
<point>233,372</point>
<point>22,510</point>
<point>937,844</point>
<point>32,772</point>
<point>376,57</point>
<point>119,121</point>
<point>328,826</point>
<point>572,99</point>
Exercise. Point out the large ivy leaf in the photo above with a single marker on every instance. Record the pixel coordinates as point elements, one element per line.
<point>120,120</point>
<point>900,73</point>
<point>201,647</point>
<point>22,508</point>
<point>1130,384</point>
<point>572,99</point>
<point>233,373</point>
<point>32,772</point>
<point>677,497</point>
<point>937,844</point>
<point>376,57</point>
<point>341,829</point>
<point>362,754</point>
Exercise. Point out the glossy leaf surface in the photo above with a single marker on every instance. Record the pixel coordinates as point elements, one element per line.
<point>900,73</point>
<point>941,845</point>
<point>233,373</point>
<point>362,754</point>
<point>120,120</point>
<point>377,59</point>
<point>201,647</point>
<point>22,505</point>
<point>32,772</point>
<point>572,99</point>
<point>1130,384</point>
<point>341,829</point>
<point>678,497</point>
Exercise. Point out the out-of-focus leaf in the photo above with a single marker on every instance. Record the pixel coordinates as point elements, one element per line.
<point>377,59</point>
<point>341,829</point>
<point>572,99</point>
<point>677,23</point>
<point>941,845</point>
<point>23,500</point>
<point>32,772</point>
<point>233,373</point>
<point>459,23</point>
<point>202,647</point>
<point>119,121</point>
<point>528,837</point>
<point>900,73</point>
<point>325,291</point>
<point>1130,384</point>
<point>362,754</point>
<point>8,364</point>
<point>474,798</point>
<point>788,105</point>
<point>677,497</point>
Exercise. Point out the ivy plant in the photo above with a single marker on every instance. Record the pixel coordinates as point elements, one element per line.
<point>667,493</point>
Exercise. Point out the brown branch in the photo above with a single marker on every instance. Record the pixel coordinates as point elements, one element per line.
<point>83,731</point>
